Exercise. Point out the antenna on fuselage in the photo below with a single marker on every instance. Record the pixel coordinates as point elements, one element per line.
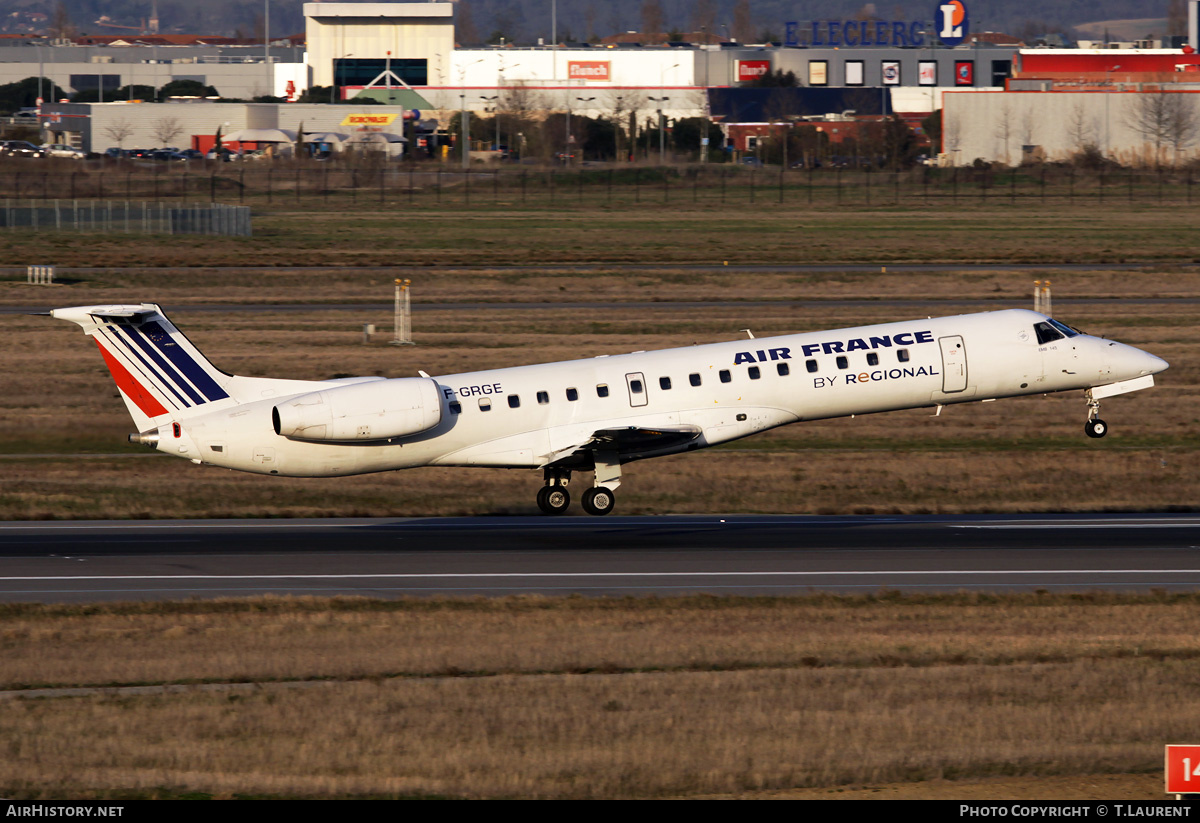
<point>749,333</point>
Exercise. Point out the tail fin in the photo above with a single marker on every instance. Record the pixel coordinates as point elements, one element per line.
<point>161,375</point>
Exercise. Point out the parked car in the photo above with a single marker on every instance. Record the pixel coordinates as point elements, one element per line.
<point>63,150</point>
<point>21,148</point>
<point>26,115</point>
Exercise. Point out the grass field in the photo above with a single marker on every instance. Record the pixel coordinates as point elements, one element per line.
<point>1033,696</point>
<point>577,698</point>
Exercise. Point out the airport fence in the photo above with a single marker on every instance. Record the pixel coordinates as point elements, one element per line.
<point>128,217</point>
<point>426,184</point>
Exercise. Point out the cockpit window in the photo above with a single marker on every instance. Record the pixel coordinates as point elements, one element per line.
<point>1064,328</point>
<point>1046,333</point>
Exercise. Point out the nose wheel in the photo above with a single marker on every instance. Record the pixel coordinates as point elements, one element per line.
<point>1094,427</point>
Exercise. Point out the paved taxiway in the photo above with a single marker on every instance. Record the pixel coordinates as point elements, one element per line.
<point>390,557</point>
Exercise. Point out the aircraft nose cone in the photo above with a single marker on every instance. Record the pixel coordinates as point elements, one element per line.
<point>1132,362</point>
<point>1153,364</point>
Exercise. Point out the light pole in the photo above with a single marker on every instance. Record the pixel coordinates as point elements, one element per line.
<point>1107,94</point>
<point>464,121</point>
<point>494,110</point>
<point>333,85</point>
<point>662,151</point>
<point>569,136</point>
<point>617,131</point>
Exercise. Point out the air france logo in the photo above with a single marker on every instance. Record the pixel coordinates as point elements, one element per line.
<point>952,22</point>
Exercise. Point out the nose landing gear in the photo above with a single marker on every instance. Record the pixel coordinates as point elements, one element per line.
<point>1094,427</point>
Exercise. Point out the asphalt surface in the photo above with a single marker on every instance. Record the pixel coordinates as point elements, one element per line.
<point>386,557</point>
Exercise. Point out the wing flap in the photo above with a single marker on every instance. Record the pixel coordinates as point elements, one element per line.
<point>629,442</point>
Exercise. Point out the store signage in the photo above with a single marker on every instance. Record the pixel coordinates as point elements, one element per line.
<point>588,70</point>
<point>750,70</point>
<point>950,27</point>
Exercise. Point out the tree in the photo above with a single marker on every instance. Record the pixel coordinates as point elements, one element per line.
<point>1156,117</point>
<point>1002,130</point>
<point>187,88</point>
<point>775,79</point>
<point>464,25</point>
<point>743,24</point>
<point>1081,129</point>
<point>704,16</point>
<point>24,93</point>
<point>118,131</point>
<point>61,26</point>
<point>166,129</point>
<point>653,19</point>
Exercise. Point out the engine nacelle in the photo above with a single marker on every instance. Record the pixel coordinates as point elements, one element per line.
<point>366,411</point>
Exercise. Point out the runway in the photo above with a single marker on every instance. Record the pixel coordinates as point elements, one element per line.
<point>74,562</point>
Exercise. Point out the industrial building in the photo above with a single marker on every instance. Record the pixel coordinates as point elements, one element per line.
<point>404,55</point>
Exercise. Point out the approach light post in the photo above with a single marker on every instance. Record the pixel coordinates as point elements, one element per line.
<point>1107,96</point>
<point>662,149</point>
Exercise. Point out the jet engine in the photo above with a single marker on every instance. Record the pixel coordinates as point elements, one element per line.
<point>377,410</point>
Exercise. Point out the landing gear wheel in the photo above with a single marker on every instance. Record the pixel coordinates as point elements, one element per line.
<point>553,499</point>
<point>598,500</point>
<point>1095,427</point>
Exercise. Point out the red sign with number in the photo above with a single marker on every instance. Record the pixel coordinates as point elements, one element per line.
<point>1183,769</point>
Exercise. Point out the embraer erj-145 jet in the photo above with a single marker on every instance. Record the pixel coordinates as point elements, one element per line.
<point>595,414</point>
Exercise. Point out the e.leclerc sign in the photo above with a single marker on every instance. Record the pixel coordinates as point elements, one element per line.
<point>950,26</point>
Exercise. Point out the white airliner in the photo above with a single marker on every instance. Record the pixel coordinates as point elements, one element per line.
<point>596,414</point>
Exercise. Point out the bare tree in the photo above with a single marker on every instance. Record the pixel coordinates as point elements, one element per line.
<point>654,20</point>
<point>1163,119</point>
<point>743,23</point>
<point>704,16</point>
<point>166,129</point>
<point>1081,129</point>
<point>1183,123</point>
<point>118,131</point>
<point>1002,129</point>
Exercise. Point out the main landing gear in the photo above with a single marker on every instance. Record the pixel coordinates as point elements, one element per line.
<point>1094,427</point>
<point>553,498</point>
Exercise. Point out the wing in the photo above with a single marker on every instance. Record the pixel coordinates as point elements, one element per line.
<point>628,442</point>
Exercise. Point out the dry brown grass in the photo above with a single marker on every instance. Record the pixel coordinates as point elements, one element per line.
<point>650,233</point>
<point>596,698</point>
<point>1006,456</point>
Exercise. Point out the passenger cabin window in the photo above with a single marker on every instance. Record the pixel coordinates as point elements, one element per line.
<point>514,401</point>
<point>694,379</point>
<point>485,404</point>
<point>754,372</point>
<point>1047,333</point>
<point>664,383</point>
<point>635,386</point>
<point>843,362</point>
<point>725,375</point>
<point>602,390</point>
<point>902,355</point>
<point>543,398</point>
<point>872,358</point>
<point>811,365</point>
<point>783,369</point>
<point>572,394</point>
<point>455,408</point>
